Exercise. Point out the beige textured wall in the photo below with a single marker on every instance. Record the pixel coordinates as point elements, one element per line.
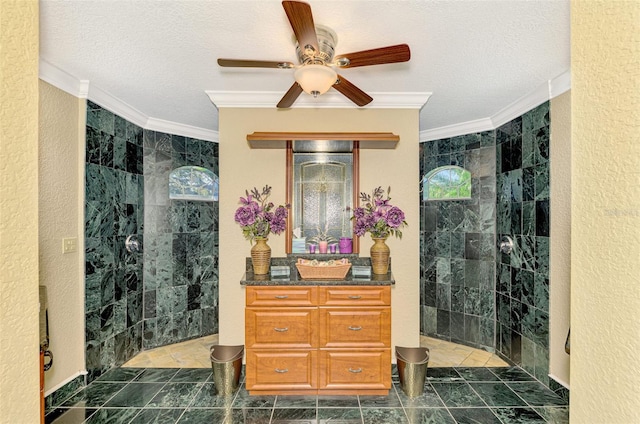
<point>19,362</point>
<point>560,240</point>
<point>605,229</point>
<point>61,182</point>
<point>243,168</point>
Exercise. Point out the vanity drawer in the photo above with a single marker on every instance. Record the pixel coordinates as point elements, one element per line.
<point>281,327</point>
<point>281,296</point>
<point>355,327</point>
<point>281,370</point>
<point>355,296</point>
<point>365,369</point>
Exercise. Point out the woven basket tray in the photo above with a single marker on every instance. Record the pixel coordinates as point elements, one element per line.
<point>331,272</point>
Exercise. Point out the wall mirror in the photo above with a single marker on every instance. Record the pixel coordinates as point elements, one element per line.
<point>323,179</point>
<point>323,188</point>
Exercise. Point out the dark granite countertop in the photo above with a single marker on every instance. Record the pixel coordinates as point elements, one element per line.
<point>251,279</point>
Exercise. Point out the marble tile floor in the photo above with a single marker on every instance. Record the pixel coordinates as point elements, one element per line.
<point>189,354</point>
<point>195,354</point>
<point>500,395</point>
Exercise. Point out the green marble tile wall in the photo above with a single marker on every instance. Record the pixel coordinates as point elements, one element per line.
<point>114,209</point>
<point>181,245</point>
<point>522,278</point>
<point>459,260</point>
<point>457,246</point>
<point>168,293</point>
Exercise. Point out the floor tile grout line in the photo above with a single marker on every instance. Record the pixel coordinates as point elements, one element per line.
<point>404,409</point>
<point>112,396</point>
<point>491,408</point>
<point>134,417</point>
<point>273,409</point>
<point>360,409</point>
<point>513,407</point>
<point>527,404</point>
<point>482,399</point>
<point>439,397</point>
<point>499,419</point>
<point>193,399</point>
<point>524,400</point>
<point>158,392</point>
<point>84,387</point>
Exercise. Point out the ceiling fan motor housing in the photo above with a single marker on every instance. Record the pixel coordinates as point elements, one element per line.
<point>327,41</point>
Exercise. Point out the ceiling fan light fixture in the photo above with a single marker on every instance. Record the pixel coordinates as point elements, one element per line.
<point>315,79</point>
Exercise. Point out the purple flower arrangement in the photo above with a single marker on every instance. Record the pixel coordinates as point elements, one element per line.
<point>257,217</point>
<point>378,216</point>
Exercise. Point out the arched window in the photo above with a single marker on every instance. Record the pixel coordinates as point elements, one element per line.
<point>447,183</point>
<point>193,183</point>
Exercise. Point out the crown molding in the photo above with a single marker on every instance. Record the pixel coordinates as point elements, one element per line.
<point>332,99</point>
<point>560,84</point>
<point>234,99</point>
<point>469,127</point>
<point>541,94</point>
<point>82,89</point>
<point>117,106</point>
<point>521,106</point>
<point>62,80</point>
<point>176,128</point>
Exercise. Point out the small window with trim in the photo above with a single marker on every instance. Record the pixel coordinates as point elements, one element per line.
<point>193,183</point>
<point>447,183</point>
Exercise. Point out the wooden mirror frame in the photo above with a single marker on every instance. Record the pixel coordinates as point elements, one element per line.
<point>279,140</point>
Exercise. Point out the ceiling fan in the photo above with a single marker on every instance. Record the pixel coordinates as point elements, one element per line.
<point>315,49</point>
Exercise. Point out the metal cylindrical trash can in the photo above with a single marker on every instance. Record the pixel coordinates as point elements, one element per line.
<point>412,369</point>
<point>226,362</point>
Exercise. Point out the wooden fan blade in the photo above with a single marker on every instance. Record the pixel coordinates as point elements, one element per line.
<point>301,19</point>
<point>382,55</point>
<point>290,96</point>
<point>239,63</point>
<point>352,92</point>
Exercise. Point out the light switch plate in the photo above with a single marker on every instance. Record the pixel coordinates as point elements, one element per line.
<point>69,245</point>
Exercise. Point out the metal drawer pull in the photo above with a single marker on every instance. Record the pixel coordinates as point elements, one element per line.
<point>281,330</point>
<point>355,297</point>
<point>278,370</point>
<point>356,371</point>
<point>355,328</point>
<point>282,296</point>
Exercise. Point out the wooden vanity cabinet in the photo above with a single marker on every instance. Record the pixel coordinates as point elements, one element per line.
<point>318,339</point>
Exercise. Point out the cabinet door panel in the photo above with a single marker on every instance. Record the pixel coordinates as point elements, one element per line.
<point>362,369</point>
<point>355,296</point>
<point>284,370</point>
<point>355,327</point>
<point>282,296</point>
<point>281,327</point>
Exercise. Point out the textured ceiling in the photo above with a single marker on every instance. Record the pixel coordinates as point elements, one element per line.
<point>159,57</point>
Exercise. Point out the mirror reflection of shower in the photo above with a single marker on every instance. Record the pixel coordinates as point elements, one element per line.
<point>323,194</point>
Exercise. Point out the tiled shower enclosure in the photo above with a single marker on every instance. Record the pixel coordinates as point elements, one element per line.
<point>181,245</point>
<point>167,293</point>
<point>469,292</point>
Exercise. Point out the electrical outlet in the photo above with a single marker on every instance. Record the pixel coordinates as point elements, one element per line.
<point>69,245</point>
